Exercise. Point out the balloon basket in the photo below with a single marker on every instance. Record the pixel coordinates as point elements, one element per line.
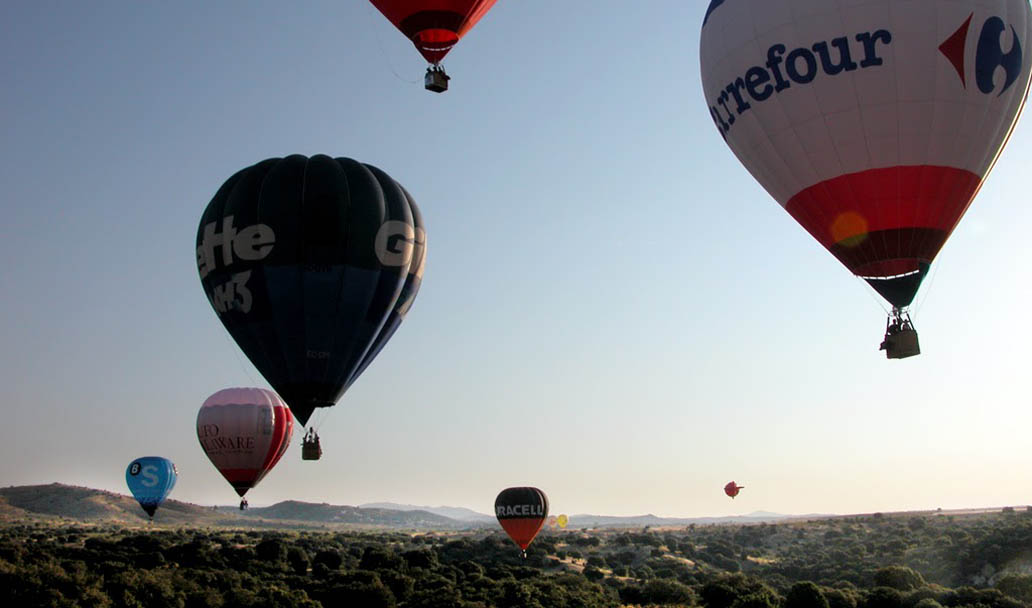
<point>900,338</point>
<point>310,448</point>
<point>436,80</point>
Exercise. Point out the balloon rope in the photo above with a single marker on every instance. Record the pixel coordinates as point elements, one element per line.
<point>379,43</point>
<point>927,290</point>
<point>236,352</point>
<point>871,291</point>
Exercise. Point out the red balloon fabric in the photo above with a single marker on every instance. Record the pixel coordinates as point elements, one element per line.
<point>434,26</point>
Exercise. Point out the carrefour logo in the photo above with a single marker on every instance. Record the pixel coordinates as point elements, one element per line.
<point>989,54</point>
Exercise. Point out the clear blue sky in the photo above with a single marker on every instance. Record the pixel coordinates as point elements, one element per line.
<point>613,310</point>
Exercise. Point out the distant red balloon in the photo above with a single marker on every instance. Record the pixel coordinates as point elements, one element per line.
<point>434,26</point>
<point>732,489</point>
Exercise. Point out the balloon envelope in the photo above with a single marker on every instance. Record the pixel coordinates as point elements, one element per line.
<point>521,512</point>
<point>244,432</point>
<point>151,479</point>
<point>732,489</point>
<point>434,26</point>
<point>311,263</point>
<point>872,123</point>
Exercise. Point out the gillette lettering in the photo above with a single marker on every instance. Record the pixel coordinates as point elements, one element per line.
<point>395,242</point>
<point>250,243</point>
<point>233,294</point>
<point>799,66</point>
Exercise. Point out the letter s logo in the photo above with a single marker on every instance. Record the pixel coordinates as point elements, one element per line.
<point>990,56</point>
<point>150,477</point>
<point>394,243</point>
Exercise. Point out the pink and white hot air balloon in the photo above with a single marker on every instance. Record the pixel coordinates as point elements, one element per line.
<point>244,432</point>
<point>872,123</point>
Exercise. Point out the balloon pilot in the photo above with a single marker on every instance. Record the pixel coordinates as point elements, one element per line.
<point>436,80</point>
<point>311,449</point>
<point>900,336</point>
<point>243,504</point>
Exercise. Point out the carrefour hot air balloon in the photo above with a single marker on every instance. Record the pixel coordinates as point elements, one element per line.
<point>151,479</point>
<point>311,264</point>
<point>434,27</point>
<point>521,512</point>
<point>732,489</point>
<point>244,432</point>
<point>872,123</point>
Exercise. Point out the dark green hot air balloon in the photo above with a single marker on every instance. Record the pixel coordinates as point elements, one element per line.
<point>311,265</point>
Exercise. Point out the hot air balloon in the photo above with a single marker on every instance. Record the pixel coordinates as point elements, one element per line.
<point>311,264</point>
<point>434,26</point>
<point>151,479</point>
<point>244,432</point>
<point>732,489</point>
<point>563,520</point>
<point>522,512</point>
<point>873,124</point>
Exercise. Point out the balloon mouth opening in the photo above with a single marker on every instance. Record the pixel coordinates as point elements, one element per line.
<point>433,45</point>
<point>888,277</point>
<point>889,270</point>
<point>436,40</point>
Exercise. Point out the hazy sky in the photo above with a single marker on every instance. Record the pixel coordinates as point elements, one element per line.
<point>613,310</point>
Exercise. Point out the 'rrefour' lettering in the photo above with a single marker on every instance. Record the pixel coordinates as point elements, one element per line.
<point>784,68</point>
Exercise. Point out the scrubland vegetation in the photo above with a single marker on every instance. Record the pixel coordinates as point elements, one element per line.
<point>864,562</point>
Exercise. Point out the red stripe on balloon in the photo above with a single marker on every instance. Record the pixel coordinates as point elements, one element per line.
<point>522,530</point>
<point>911,209</point>
<point>281,432</point>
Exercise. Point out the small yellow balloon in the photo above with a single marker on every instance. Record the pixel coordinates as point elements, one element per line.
<point>562,520</point>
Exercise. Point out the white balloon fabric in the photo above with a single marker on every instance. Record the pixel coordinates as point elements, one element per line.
<point>244,432</point>
<point>872,122</point>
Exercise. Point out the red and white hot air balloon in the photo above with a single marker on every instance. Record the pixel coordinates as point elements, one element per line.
<point>244,432</point>
<point>872,123</point>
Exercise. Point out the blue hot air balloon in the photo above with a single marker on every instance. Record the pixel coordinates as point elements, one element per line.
<point>151,479</point>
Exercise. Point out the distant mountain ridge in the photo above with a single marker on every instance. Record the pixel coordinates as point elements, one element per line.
<point>89,505</point>
<point>584,520</point>
<point>457,513</point>
<point>60,502</point>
